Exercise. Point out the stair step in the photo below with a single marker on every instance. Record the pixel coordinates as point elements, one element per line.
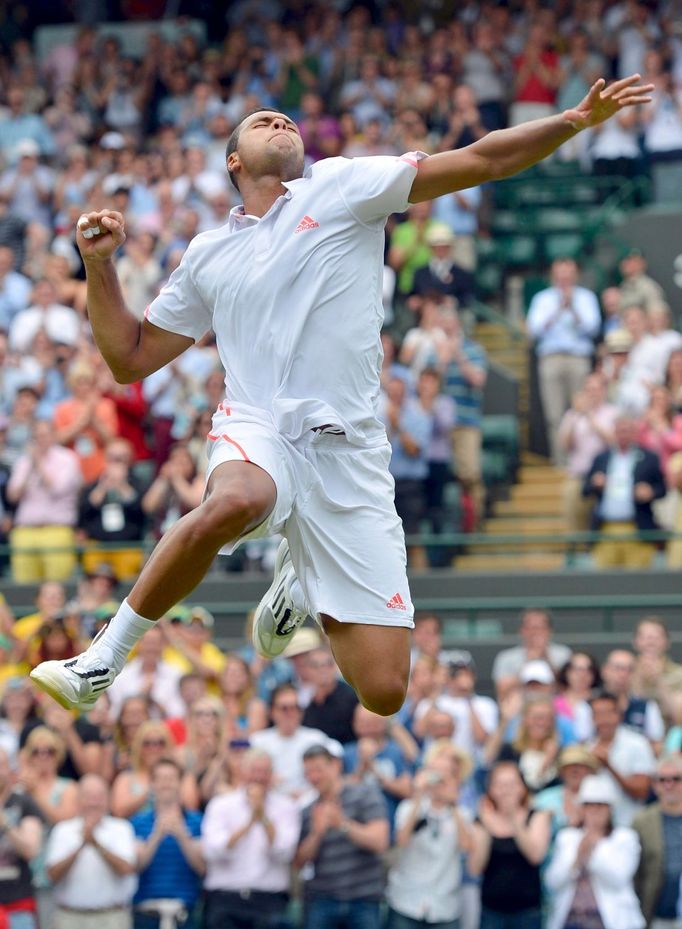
<point>526,561</point>
<point>533,491</point>
<point>540,506</point>
<point>538,525</point>
<point>541,474</point>
<point>528,545</point>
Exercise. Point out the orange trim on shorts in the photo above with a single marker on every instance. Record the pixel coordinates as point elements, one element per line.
<point>214,438</point>
<point>224,409</point>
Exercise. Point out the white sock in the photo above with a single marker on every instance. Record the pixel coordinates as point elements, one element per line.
<point>120,636</point>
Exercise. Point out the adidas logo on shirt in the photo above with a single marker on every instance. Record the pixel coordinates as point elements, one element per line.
<point>396,603</point>
<point>306,223</point>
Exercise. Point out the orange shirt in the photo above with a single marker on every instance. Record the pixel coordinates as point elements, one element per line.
<point>88,444</point>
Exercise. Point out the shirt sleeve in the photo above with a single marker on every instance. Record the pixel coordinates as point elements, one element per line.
<point>373,187</point>
<point>179,306</point>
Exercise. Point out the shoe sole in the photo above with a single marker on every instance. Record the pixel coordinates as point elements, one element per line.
<point>282,556</point>
<point>52,682</point>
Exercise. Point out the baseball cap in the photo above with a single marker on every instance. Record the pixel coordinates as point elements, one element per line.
<point>537,671</point>
<point>596,789</point>
<point>460,659</point>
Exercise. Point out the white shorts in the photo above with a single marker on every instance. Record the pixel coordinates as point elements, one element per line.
<point>335,507</point>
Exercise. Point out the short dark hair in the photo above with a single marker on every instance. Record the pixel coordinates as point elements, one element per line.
<point>284,687</point>
<point>604,696</point>
<point>318,751</point>
<point>233,140</point>
<point>168,762</point>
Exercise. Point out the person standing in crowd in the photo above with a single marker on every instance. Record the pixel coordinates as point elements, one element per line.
<point>21,824</point>
<point>535,632</point>
<point>286,740</point>
<point>344,834</point>
<point>656,675</point>
<point>43,486</point>
<point>585,430</point>
<point>626,757</point>
<point>593,866</point>
<point>464,368</point>
<point>659,829</point>
<point>639,713</point>
<point>432,833</point>
<point>332,703</point>
<point>574,763</point>
<point>509,844</point>
<point>169,862</point>
<point>91,862</point>
<point>624,480</point>
<point>564,321</point>
<point>248,840</point>
<point>298,401</point>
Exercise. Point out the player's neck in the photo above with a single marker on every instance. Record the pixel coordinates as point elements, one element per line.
<point>259,195</point>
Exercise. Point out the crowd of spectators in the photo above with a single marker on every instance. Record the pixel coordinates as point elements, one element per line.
<point>87,123</point>
<point>218,789</point>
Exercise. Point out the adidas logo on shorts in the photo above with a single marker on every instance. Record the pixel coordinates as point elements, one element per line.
<point>396,603</point>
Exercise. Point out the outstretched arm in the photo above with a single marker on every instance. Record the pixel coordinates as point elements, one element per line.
<point>508,151</point>
<point>131,349</point>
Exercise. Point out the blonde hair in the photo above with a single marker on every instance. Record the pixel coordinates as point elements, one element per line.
<point>153,727</point>
<point>521,742</point>
<point>444,748</point>
<point>43,735</point>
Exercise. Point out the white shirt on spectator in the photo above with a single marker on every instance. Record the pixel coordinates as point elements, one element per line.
<point>90,883</point>
<point>253,863</point>
<point>630,753</point>
<point>287,755</point>
<point>61,324</point>
<point>561,332</point>
<point>509,661</point>
<point>15,293</point>
<point>460,709</point>
<point>425,881</point>
<point>165,690</point>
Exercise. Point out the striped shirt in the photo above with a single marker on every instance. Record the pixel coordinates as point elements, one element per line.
<point>341,869</point>
<point>469,399</point>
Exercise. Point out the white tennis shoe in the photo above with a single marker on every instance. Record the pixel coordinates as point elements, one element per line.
<point>77,682</point>
<point>277,617</point>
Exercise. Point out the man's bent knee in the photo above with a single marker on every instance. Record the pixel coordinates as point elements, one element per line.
<point>383,695</point>
<point>238,502</point>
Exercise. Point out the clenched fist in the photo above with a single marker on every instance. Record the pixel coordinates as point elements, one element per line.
<point>99,234</point>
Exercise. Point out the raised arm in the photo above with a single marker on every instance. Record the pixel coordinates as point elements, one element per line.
<point>508,151</point>
<point>131,348</point>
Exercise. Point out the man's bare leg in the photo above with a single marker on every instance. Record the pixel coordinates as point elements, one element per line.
<point>239,497</point>
<point>375,660</point>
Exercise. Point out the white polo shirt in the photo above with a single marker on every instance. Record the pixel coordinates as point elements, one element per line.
<point>90,883</point>
<point>295,297</point>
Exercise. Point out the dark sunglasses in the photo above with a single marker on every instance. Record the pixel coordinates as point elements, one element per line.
<point>46,750</point>
<point>287,707</point>
<point>153,743</point>
<point>668,779</point>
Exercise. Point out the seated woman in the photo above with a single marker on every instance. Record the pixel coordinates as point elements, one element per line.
<point>593,866</point>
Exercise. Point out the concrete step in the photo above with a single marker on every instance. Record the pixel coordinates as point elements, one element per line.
<point>540,474</point>
<point>533,506</point>
<point>536,491</point>
<point>521,562</point>
<point>537,525</point>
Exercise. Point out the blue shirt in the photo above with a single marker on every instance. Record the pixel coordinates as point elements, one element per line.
<point>469,399</point>
<point>168,874</point>
<point>419,425</point>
